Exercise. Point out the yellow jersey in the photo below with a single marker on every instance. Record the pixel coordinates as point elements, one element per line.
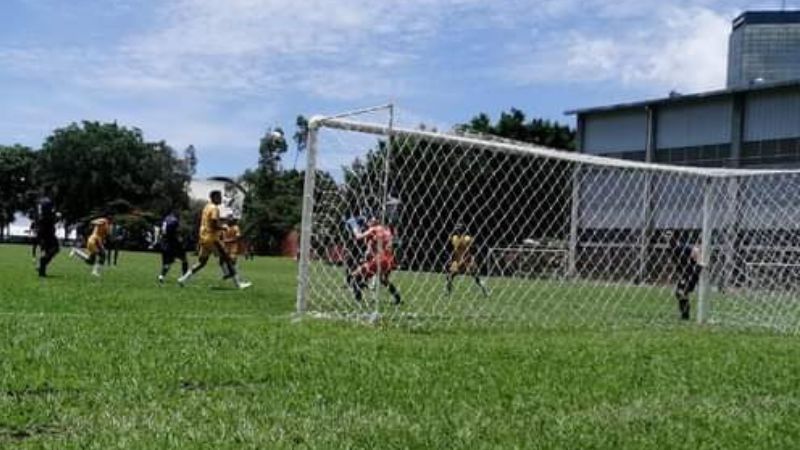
<point>461,245</point>
<point>231,239</point>
<point>102,227</point>
<point>209,222</point>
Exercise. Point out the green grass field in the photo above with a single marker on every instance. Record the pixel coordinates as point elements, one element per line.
<point>123,363</point>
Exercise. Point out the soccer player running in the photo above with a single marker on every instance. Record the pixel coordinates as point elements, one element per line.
<point>462,260</point>
<point>172,247</point>
<point>687,260</point>
<point>210,243</point>
<point>46,234</point>
<point>95,254</point>
<point>380,260</point>
<point>232,241</point>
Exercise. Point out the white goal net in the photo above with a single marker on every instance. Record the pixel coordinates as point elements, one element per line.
<point>417,227</point>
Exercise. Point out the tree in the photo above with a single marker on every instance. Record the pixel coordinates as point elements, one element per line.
<point>16,182</point>
<point>513,125</point>
<point>86,167</point>
<point>274,204</point>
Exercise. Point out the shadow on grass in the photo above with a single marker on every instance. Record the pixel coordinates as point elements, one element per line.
<point>17,434</point>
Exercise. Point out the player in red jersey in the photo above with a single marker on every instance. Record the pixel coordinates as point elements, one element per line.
<point>380,259</point>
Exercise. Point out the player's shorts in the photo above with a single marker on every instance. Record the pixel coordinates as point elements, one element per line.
<point>48,244</point>
<point>384,264</point>
<point>172,251</point>
<point>689,277</point>
<point>209,246</point>
<point>462,265</point>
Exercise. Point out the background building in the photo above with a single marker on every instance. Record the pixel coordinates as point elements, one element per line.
<point>764,45</point>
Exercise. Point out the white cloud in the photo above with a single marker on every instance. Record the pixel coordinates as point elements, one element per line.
<point>663,46</point>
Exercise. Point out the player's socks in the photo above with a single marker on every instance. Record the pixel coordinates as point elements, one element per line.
<point>482,285</point>
<point>683,305</point>
<point>228,270</point>
<point>395,293</point>
<point>185,277</point>
<point>79,253</point>
<point>356,290</point>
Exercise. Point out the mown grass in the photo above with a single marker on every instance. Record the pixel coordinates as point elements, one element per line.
<point>123,363</point>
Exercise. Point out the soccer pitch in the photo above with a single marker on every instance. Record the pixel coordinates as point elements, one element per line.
<point>122,362</point>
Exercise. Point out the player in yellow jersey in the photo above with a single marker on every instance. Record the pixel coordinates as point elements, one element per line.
<point>462,260</point>
<point>210,243</point>
<point>231,239</point>
<point>95,254</point>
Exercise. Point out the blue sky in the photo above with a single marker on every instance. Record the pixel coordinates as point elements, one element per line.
<point>217,73</point>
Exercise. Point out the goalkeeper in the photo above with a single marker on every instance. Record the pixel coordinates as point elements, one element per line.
<point>462,261</point>
<point>687,260</point>
<point>353,253</point>
<point>379,260</point>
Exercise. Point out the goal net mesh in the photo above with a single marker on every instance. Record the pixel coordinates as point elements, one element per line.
<point>553,238</point>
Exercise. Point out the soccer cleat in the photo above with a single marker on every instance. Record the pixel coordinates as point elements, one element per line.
<point>245,284</point>
<point>161,279</point>
<point>96,274</point>
<point>72,252</point>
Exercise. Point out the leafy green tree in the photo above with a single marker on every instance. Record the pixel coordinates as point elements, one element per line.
<point>513,125</point>
<point>86,166</point>
<point>17,165</point>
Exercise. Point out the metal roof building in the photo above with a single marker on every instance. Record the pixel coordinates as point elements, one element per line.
<point>756,124</point>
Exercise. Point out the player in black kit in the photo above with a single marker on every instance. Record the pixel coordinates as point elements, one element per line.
<point>46,234</point>
<point>171,246</point>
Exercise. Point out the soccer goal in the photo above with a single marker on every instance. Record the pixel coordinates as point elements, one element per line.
<point>553,238</point>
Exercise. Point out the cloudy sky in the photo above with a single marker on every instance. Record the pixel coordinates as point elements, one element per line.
<point>216,73</point>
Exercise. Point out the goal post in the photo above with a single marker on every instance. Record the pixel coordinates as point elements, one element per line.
<point>553,238</point>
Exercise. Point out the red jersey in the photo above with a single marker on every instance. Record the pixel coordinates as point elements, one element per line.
<point>378,238</point>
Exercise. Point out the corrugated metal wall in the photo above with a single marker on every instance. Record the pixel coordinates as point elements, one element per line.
<point>695,124</point>
<point>772,115</point>
<point>615,132</point>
